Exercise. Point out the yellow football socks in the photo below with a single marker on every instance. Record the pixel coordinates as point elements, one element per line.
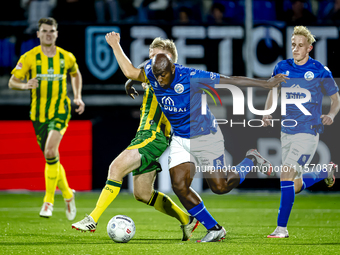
<point>108,194</point>
<point>164,204</point>
<point>51,177</point>
<point>63,184</point>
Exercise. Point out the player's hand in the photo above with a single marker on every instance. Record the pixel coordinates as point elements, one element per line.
<point>145,85</point>
<point>276,81</point>
<point>32,84</point>
<point>131,91</point>
<point>81,105</point>
<point>327,119</point>
<point>112,39</point>
<point>266,119</point>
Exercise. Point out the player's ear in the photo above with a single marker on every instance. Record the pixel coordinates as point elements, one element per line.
<point>173,68</point>
<point>310,48</point>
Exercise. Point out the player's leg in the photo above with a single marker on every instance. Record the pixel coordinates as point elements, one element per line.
<point>209,152</point>
<point>310,178</point>
<point>181,178</point>
<point>125,163</point>
<point>122,165</point>
<point>52,166</point>
<point>143,190</point>
<point>297,150</point>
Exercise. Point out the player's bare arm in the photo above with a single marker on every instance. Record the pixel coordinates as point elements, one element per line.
<point>124,62</point>
<point>335,107</point>
<point>241,81</point>
<point>17,84</point>
<point>77,84</point>
<point>269,102</point>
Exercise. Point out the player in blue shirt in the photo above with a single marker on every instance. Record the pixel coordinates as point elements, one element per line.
<point>300,138</point>
<point>196,138</point>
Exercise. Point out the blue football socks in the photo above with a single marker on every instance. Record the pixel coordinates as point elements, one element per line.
<point>286,204</point>
<point>309,179</point>
<point>203,216</point>
<point>244,168</point>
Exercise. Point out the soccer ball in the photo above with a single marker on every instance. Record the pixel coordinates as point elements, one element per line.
<point>121,229</point>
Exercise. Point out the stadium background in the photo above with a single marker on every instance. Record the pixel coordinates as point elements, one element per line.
<point>111,118</point>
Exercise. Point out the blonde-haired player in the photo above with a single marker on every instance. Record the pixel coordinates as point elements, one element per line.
<point>299,142</point>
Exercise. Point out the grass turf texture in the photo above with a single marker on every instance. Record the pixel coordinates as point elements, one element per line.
<point>314,226</point>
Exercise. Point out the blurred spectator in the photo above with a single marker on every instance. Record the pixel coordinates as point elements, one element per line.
<point>37,9</point>
<point>334,14</point>
<point>299,14</point>
<point>217,15</point>
<point>74,11</point>
<point>190,8</point>
<point>185,15</point>
<point>107,10</point>
<point>155,10</point>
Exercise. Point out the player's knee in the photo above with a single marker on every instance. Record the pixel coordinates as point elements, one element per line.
<point>50,152</point>
<point>180,188</point>
<point>218,189</point>
<point>114,174</point>
<point>143,197</point>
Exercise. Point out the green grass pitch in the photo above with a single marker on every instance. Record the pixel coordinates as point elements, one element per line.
<point>314,226</point>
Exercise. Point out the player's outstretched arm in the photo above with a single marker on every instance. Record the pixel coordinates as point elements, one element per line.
<point>77,84</point>
<point>16,84</point>
<point>335,107</point>
<point>269,102</point>
<point>242,81</point>
<point>124,62</point>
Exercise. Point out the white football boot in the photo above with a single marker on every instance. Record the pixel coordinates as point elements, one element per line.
<point>262,164</point>
<point>279,232</point>
<point>46,210</point>
<point>70,204</point>
<point>86,224</point>
<point>213,236</point>
<point>189,228</point>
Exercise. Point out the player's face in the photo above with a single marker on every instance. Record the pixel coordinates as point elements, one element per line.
<point>47,34</point>
<point>300,49</point>
<point>165,77</point>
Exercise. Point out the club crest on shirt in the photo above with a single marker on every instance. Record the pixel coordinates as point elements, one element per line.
<point>309,76</point>
<point>287,72</point>
<point>212,76</point>
<point>62,63</point>
<point>179,88</point>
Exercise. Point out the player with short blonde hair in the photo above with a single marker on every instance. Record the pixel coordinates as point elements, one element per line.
<point>165,45</point>
<point>304,31</point>
<point>300,137</point>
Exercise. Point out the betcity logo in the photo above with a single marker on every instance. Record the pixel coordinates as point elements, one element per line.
<point>238,103</point>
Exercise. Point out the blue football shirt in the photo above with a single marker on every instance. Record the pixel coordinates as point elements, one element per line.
<point>181,102</point>
<point>318,80</point>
